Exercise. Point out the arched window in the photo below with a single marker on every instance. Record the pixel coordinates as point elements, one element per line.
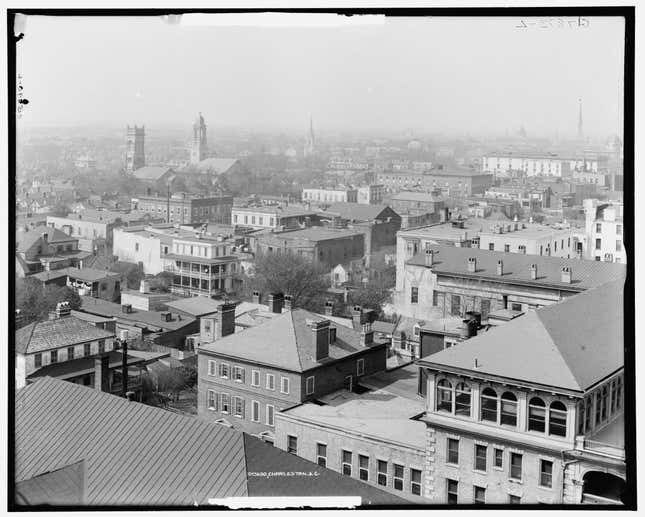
<point>462,399</point>
<point>444,396</point>
<point>537,414</point>
<point>509,409</point>
<point>489,405</point>
<point>558,418</point>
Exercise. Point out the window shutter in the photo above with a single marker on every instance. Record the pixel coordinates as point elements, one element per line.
<point>243,374</point>
<point>243,412</point>
<point>220,369</point>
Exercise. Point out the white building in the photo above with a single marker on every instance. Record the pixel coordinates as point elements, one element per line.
<point>604,231</point>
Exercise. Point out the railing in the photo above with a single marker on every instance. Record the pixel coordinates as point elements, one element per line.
<point>604,448</point>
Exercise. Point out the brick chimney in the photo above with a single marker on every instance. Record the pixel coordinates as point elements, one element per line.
<point>102,372</point>
<point>500,267</point>
<point>367,334</point>
<point>288,302</point>
<point>275,302</point>
<point>225,320</point>
<point>320,335</point>
<point>19,318</point>
<point>257,298</point>
<point>534,272</point>
<point>358,317</point>
<point>63,309</point>
<point>429,258</point>
<point>472,264</point>
<point>329,308</point>
<point>566,275</point>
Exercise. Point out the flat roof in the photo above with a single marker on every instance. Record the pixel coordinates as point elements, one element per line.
<point>378,414</point>
<point>446,231</point>
<point>149,318</point>
<point>316,233</point>
<point>532,231</point>
<point>402,382</point>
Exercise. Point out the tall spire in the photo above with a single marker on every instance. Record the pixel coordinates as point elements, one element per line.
<point>580,134</point>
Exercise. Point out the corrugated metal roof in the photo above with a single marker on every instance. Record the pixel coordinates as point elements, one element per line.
<point>134,454</point>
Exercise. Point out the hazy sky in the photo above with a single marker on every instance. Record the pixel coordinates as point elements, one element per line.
<point>429,74</point>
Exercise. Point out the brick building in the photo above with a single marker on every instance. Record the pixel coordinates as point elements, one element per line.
<point>531,412</point>
<point>454,182</point>
<point>244,382</point>
<point>183,208</point>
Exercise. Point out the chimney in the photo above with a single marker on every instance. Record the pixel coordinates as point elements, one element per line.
<point>429,258</point>
<point>320,330</point>
<point>144,286</point>
<point>566,275</point>
<point>533,271</point>
<point>367,334</point>
<point>288,302</point>
<point>102,372</point>
<point>62,309</point>
<point>329,308</point>
<point>256,297</point>
<point>80,264</point>
<point>500,268</point>
<point>19,318</point>
<point>45,237</point>
<point>225,320</point>
<point>469,328</point>
<point>472,264</point>
<point>358,317</point>
<point>275,302</point>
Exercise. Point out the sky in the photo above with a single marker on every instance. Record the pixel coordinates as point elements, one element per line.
<point>430,75</point>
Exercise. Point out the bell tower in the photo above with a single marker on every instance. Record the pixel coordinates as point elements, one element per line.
<point>199,146</point>
<point>135,157</point>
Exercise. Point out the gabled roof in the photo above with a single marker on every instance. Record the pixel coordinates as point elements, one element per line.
<point>453,260</point>
<point>134,454</point>
<point>216,165</point>
<point>51,334</point>
<point>151,172</point>
<point>292,344</point>
<point>570,345</point>
<point>357,212</point>
<point>26,240</point>
<point>86,274</point>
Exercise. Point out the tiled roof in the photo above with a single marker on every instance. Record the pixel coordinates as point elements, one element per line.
<point>570,345</point>
<point>134,454</point>
<point>585,274</point>
<point>356,211</point>
<point>292,341</point>
<point>150,172</point>
<point>51,334</point>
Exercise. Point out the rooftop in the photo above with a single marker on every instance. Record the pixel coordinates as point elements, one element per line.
<point>402,382</point>
<point>196,306</point>
<point>316,233</point>
<point>216,165</point>
<point>135,454</point>
<point>150,172</point>
<point>150,319</point>
<point>26,239</point>
<point>51,334</point>
<point>86,274</point>
<point>81,366</point>
<point>531,231</point>
<point>358,212</point>
<point>417,196</point>
<point>293,344</point>
<point>379,414</point>
<point>287,211</point>
<point>446,231</point>
<point>452,260</point>
<point>570,345</point>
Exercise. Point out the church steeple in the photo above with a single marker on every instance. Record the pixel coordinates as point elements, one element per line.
<point>310,143</point>
<point>199,146</point>
<point>580,133</point>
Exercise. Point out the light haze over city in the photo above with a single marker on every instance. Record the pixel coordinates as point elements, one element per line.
<point>442,75</point>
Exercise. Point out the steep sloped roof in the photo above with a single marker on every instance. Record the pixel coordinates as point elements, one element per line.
<point>26,240</point>
<point>356,211</point>
<point>216,165</point>
<point>51,334</point>
<point>291,345</point>
<point>517,267</point>
<point>134,454</point>
<point>570,345</point>
<point>150,172</point>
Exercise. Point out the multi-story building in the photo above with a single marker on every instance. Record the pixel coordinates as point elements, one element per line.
<point>272,217</point>
<point>245,382</point>
<point>183,208</point>
<point>85,281</point>
<point>549,164</point>
<point>531,412</point>
<point>135,157</point>
<point>348,163</point>
<point>330,195</point>
<point>326,246</point>
<point>454,182</point>
<point>65,347</point>
<point>93,228</point>
<point>457,280</point>
<point>417,203</point>
<point>604,231</point>
<point>346,432</point>
<point>370,194</point>
<point>532,239</point>
<point>46,249</point>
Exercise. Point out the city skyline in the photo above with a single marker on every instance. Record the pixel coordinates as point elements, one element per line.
<point>545,73</point>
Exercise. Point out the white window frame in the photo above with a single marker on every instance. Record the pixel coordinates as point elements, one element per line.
<point>282,385</point>
<point>270,411</point>
<point>255,411</point>
<point>212,407</point>
<point>313,385</point>
<point>228,405</point>
<point>395,477</point>
<point>227,367</point>
<point>238,370</point>
<point>318,456</point>
<point>379,473</point>
<point>212,368</point>
<point>413,483</point>
<point>237,400</point>
<point>360,367</point>
<point>271,385</point>
<point>255,374</point>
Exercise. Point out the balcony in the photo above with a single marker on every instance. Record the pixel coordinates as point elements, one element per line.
<point>609,441</point>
